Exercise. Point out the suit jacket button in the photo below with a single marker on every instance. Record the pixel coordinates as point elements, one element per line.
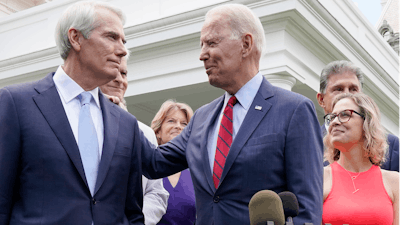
<point>216,199</point>
<point>94,201</point>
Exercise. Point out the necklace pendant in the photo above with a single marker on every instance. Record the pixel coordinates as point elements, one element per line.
<point>356,191</point>
<point>353,177</point>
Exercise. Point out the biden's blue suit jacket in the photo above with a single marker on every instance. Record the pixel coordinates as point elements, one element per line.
<point>42,181</point>
<point>277,148</point>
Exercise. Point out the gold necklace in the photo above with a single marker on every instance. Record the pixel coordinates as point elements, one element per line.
<point>352,180</point>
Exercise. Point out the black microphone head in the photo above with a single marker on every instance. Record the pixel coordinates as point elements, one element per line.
<point>290,204</point>
<point>266,206</point>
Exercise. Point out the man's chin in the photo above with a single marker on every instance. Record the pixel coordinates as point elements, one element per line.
<point>213,81</point>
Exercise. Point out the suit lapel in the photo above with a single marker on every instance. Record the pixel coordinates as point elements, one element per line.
<point>111,124</point>
<point>250,123</point>
<point>215,107</point>
<point>49,103</point>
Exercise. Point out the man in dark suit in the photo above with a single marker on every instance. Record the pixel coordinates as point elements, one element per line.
<point>66,152</point>
<point>344,77</point>
<point>254,137</point>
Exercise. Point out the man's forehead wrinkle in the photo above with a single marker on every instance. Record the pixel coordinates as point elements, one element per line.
<point>206,36</point>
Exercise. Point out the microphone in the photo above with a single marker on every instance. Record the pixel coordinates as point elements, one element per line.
<point>265,207</point>
<point>290,206</point>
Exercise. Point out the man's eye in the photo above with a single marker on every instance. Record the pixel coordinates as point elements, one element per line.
<point>338,89</point>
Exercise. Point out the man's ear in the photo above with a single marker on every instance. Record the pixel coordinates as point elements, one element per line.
<point>247,44</point>
<point>75,37</point>
<point>320,98</point>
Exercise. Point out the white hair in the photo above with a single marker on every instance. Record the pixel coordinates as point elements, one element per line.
<point>242,20</point>
<point>81,16</point>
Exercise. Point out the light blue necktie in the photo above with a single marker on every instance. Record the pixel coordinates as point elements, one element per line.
<point>87,141</point>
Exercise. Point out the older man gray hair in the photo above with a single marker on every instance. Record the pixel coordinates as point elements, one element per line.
<point>254,137</point>
<point>67,154</point>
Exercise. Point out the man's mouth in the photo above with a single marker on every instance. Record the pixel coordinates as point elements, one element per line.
<point>208,69</point>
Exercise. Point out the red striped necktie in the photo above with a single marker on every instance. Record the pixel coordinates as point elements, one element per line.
<point>224,141</point>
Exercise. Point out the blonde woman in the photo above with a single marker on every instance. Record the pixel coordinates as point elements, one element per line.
<point>356,191</point>
<point>168,123</point>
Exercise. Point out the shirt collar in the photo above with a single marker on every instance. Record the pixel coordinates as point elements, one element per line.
<point>69,89</point>
<point>246,94</point>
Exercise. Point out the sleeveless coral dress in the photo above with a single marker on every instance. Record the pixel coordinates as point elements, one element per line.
<point>370,204</point>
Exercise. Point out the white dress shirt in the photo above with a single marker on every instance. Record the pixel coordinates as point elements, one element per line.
<point>69,90</point>
<point>245,97</point>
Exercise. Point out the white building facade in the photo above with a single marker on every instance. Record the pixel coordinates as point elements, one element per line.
<point>164,35</point>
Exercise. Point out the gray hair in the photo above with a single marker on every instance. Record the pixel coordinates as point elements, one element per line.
<point>81,16</point>
<point>339,67</point>
<point>243,20</point>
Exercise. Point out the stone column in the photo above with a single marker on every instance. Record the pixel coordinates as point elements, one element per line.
<point>283,81</point>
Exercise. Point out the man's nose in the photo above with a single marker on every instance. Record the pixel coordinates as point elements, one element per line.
<point>119,78</point>
<point>204,53</point>
<point>121,50</point>
<point>346,90</point>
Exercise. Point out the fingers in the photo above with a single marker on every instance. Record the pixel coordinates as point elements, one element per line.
<point>113,99</point>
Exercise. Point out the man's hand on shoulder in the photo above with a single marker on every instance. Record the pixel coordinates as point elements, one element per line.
<point>117,101</point>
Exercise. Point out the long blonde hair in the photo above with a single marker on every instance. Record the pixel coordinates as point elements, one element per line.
<point>374,135</point>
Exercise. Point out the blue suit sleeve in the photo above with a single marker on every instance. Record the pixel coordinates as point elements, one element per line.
<point>167,159</point>
<point>9,153</point>
<point>304,163</point>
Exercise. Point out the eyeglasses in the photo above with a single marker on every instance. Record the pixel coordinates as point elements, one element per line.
<point>343,116</point>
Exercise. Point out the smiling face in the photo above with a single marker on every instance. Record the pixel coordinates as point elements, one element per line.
<point>100,55</point>
<point>118,86</point>
<point>222,56</point>
<point>345,135</point>
<point>172,125</point>
<point>346,82</point>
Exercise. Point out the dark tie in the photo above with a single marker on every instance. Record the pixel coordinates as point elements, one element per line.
<point>87,141</point>
<point>224,141</point>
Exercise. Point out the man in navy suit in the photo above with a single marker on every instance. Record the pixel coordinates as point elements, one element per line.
<point>66,152</point>
<point>344,77</point>
<point>276,141</point>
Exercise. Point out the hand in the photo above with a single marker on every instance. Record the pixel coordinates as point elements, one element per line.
<point>117,101</point>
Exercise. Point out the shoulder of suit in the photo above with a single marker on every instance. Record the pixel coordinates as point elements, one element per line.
<point>211,104</point>
<point>392,138</point>
<point>289,95</point>
<point>22,87</point>
<point>28,88</point>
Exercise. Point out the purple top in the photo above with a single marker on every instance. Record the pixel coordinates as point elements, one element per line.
<point>181,203</point>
